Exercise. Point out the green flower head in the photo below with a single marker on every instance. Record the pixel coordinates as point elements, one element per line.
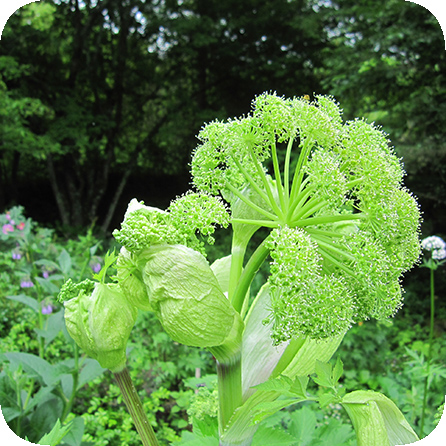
<point>344,228</point>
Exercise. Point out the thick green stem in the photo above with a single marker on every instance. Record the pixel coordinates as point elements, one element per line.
<point>429,353</point>
<point>250,270</point>
<point>229,390</point>
<point>135,408</point>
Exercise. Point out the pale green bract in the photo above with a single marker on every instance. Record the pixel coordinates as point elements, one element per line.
<point>99,318</point>
<point>187,298</point>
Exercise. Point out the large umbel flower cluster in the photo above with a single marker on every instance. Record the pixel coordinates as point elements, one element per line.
<point>344,229</point>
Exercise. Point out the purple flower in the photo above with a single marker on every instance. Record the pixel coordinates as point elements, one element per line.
<point>45,274</point>
<point>96,267</point>
<point>16,255</point>
<point>26,284</point>
<point>47,309</point>
<point>7,228</point>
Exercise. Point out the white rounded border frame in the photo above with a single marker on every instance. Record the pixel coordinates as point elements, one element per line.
<point>436,7</point>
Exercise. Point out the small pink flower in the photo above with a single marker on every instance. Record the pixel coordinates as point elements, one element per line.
<point>47,309</point>
<point>96,267</point>
<point>7,228</point>
<point>45,274</point>
<point>21,226</point>
<point>26,284</point>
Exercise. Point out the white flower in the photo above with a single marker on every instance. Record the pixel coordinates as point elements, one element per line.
<point>433,243</point>
<point>439,254</point>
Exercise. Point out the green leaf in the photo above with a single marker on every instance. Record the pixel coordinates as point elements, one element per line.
<point>265,409</point>
<point>64,260</point>
<point>208,427</point>
<point>299,387</point>
<point>90,370</point>
<point>34,365</point>
<point>377,420</point>
<point>56,434</point>
<point>109,260</point>
<point>74,436</point>
<point>40,397</point>
<point>190,439</point>
<point>326,399</point>
<point>43,420</point>
<point>47,285</point>
<point>272,437</point>
<point>281,384</point>
<point>324,374</point>
<point>29,301</point>
<point>302,426</point>
<point>54,325</point>
<point>10,413</point>
<point>338,370</point>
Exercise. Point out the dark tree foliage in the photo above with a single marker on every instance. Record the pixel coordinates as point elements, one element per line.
<point>388,63</point>
<point>126,85</point>
<point>101,99</point>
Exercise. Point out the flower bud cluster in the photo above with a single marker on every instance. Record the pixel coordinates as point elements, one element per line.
<point>187,216</point>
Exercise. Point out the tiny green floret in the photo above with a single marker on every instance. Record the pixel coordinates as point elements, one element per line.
<point>70,289</point>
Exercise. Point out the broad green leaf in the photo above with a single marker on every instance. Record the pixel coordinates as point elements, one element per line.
<point>324,374</point>
<point>299,387</point>
<point>43,420</point>
<point>338,370</point>
<point>35,365</point>
<point>29,301</point>
<point>54,325</point>
<point>10,413</point>
<point>40,397</point>
<point>64,260</point>
<point>326,399</point>
<point>90,370</point>
<point>304,362</point>
<point>74,436</point>
<point>377,420</point>
<point>302,426</point>
<point>272,437</point>
<point>268,408</point>
<point>207,427</point>
<point>57,433</point>
<point>190,439</point>
<point>281,384</point>
<point>47,285</point>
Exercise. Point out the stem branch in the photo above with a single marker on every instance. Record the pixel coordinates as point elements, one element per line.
<point>135,408</point>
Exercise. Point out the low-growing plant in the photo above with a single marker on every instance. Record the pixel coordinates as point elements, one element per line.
<point>41,367</point>
<point>339,228</point>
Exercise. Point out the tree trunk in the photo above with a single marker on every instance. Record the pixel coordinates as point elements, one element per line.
<point>58,194</point>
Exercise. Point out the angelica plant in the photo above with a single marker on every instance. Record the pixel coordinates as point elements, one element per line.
<point>340,230</point>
